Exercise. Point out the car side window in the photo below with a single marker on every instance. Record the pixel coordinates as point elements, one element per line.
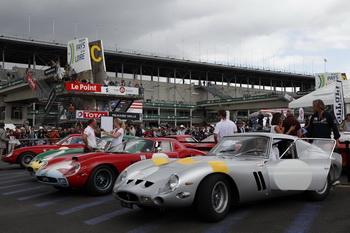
<point>189,139</point>
<point>165,146</point>
<point>287,149</point>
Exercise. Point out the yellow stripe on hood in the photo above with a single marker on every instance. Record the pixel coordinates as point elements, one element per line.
<point>219,166</point>
<point>187,161</point>
<point>160,161</point>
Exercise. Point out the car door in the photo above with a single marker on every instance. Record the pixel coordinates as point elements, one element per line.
<point>307,170</point>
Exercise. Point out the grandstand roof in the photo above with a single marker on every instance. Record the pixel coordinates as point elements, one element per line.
<point>19,50</point>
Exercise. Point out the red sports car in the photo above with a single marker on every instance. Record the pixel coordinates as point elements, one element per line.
<point>344,136</point>
<point>190,142</point>
<point>24,155</point>
<point>98,171</point>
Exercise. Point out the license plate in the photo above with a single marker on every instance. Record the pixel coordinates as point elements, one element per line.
<point>126,205</point>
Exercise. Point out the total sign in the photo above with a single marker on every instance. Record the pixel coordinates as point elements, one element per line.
<point>82,114</point>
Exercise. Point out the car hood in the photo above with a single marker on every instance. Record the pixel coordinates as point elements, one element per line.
<point>55,153</point>
<point>162,168</point>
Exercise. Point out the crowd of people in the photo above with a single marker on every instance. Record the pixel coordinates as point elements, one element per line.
<point>320,125</point>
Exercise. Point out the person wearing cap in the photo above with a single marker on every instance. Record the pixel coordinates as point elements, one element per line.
<point>41,135</point>
<point>322,123</point>
<point>289,122</point>
<point>224,127</point>
<point>89,137</point>
<point>181,131</point>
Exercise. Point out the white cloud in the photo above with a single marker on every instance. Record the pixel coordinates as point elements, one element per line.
<point>288,33</point>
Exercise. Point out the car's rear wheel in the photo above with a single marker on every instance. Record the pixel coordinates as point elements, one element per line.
<point>213,198</point>
<point>101,180</point>
<point>320,195</point>
<point>25,158</point>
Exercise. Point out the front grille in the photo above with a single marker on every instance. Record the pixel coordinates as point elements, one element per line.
<point>126,196</point>
<point>46,179</point>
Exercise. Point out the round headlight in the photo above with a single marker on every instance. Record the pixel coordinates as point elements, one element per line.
<point>174,182</point>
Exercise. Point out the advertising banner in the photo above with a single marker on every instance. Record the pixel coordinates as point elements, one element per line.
<point>31,81</point>
<point>97,61</point>
<point>87,87</point>
<point>136,107</point>
<point>78,55</point>
<point>120,90</point>
<point>338,106</point>
<point>98,88</point>
<point>323,79</point>
<point>126,116</point>
<point>85,114</point>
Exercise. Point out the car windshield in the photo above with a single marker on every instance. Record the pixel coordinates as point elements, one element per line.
<point>242,146</point>
<point>63,140</point>
<point>101,142</point>
<point>321,148</point>
<point>133,146</point>
<point>209,139</point>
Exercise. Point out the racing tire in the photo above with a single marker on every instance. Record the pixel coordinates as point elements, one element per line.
<point>101,180</point>
<point>320,195</point>
<point>213,198</point>
<point>25,158</point>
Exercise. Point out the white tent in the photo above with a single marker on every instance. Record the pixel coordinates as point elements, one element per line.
<point>326,94</point>
<point>10,126</point>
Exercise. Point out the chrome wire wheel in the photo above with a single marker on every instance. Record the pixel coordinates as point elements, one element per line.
<point>220,197</point>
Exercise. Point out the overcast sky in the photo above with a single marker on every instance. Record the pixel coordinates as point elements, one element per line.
<point>291,35</point>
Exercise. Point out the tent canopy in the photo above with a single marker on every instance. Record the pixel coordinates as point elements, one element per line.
<point>326,94</point>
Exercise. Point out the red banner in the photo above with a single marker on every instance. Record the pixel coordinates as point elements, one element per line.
<point>31,81</point>
<point>90,114</point>
<point>83,87</point>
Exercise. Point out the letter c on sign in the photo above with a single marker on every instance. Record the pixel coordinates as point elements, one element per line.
<point>92,51</point>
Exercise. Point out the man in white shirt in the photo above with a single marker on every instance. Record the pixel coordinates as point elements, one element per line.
<point>225,127</point>
<point>89,137</point>
<point>181,131</point>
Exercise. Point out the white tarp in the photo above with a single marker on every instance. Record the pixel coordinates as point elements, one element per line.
<point>326,94</point>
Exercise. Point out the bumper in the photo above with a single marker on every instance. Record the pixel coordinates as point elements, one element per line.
<point>129,196</point>
<point>34,166</point>
<point>10,159</point>
<point>54,181</point>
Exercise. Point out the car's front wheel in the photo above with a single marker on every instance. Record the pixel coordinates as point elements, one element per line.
<point>25,158</point>
<point>213,198</point>
<point>320,195</point>
<point>101,180</point>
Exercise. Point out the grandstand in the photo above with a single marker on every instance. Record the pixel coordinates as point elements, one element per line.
<point>173,90</point>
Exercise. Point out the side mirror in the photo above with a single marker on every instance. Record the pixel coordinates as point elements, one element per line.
<point>158,149</point>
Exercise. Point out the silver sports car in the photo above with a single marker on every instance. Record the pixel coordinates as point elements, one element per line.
<point>239,169</point>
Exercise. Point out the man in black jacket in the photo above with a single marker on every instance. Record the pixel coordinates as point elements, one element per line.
<point>322,123</point>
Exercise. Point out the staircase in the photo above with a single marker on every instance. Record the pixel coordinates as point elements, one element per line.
<point>123,106</point>
<point>215,92</point>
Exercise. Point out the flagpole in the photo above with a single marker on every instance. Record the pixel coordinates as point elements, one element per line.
<point>29,24</point>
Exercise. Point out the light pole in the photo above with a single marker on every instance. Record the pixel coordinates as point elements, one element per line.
<point>325,65</point>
